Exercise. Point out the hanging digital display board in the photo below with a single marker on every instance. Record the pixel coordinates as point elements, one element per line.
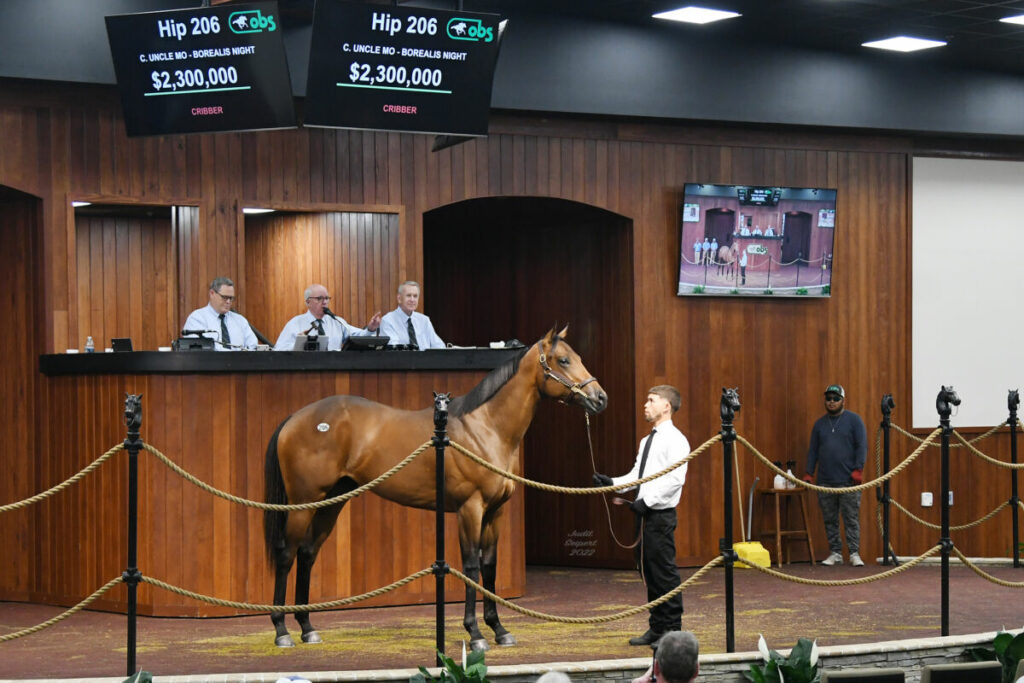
<point>383,67</point>
<point>202,70</point>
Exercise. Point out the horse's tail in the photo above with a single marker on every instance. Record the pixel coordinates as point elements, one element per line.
<point>273,492</point>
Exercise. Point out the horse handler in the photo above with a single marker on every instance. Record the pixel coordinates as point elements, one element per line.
<point>655,509</point>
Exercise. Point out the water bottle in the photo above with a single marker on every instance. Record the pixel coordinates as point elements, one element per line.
<point>90,345</point>
<point>780,481</point>
<point>789,470</point>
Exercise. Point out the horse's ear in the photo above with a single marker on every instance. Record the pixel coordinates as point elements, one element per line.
<point>549,336</point>
<point>565,331</point>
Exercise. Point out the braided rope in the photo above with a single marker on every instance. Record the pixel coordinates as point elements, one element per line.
<point>842,489</point>
<point>583,490</point>
<point>63,485</point>
<point>988,577</point>
<point>327,502</point>
<point>976,439</point>
<point>286,609</point>
<point>844,582</point>
<point>587,620</point>
<point>63,615</point>
<point>959,527</point>
<point>998,463</point>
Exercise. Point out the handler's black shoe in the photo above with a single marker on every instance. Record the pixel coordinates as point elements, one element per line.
<point>649,638</point>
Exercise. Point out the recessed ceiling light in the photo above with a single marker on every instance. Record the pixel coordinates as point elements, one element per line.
<point>253,209</point>
<point>904,44</point>
<point>695,15</point>
<point>78,204</point>
<point>1019,19</point>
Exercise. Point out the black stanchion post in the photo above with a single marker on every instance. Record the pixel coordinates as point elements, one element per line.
<point>440,566</point>
<point>131,575</point>
<point>887,405</point>
<point>730,403</point>
<point>943,404</point>
<point>1013,400</point>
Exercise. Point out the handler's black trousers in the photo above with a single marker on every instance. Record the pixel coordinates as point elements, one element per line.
<point>656,558</point>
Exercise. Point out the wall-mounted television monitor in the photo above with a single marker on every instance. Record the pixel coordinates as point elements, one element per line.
<point>752,240</point>
<point>202,70</point>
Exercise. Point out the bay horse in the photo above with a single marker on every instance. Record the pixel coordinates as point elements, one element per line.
<point>727,257</point>
<point>336,444</point>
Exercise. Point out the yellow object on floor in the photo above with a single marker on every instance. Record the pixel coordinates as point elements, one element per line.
<point>753,552</point>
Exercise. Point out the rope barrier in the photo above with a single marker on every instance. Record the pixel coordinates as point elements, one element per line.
<point>327,502</point>
<point>844,582</point>
<point>988,577</point>
<point>287,609</point>
<point>64,484</point>
<point>587,620</point>
<point>63,615</point>
<point>976,439</point>
<point>581,490</point>
<point>959,527</point>
<point>843,489</point>
<point>999,463</point>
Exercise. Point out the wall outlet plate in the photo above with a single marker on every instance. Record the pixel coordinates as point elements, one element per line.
<point>950,499</point>
<point>926,499</point>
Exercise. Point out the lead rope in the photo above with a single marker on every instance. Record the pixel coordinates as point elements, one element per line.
<point>604,499</point>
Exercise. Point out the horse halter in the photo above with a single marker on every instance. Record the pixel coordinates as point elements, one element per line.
<point>573,387</point>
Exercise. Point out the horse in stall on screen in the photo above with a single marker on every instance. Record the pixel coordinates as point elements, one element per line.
<point>339,443</point>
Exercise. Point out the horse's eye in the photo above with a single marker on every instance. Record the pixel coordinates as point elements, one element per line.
<point>563,361</point>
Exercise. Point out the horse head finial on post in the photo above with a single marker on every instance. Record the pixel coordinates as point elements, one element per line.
<point>943,404</point>
<point>441,402</point>
<point>133,413</point>
<point>887,406</point>
<point>1013,402</point>
<point>729,406</point>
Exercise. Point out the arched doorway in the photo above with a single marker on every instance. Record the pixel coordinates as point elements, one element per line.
<point>511,267</point>
<point>796,241</point>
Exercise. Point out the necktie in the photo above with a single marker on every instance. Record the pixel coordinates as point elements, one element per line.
<point>412,333</point>
<point>319,325</point>
<point>224,336</point>
<point>647,450</point>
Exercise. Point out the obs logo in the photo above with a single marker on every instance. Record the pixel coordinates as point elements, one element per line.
<point>469,29</point>
<point>251,21</point>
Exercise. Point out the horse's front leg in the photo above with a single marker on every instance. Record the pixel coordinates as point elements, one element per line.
<point>489,571</point>
<point>470,520</point>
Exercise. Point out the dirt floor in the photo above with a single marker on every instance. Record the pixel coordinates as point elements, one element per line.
<point>904,606</point>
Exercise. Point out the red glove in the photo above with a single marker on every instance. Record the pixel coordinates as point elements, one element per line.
<point>809,478</point>
<point>857,476</point>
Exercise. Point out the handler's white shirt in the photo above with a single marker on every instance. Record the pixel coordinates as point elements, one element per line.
<point>669,446</point>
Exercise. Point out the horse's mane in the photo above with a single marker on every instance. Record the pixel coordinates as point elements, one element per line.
<point>487,388</point>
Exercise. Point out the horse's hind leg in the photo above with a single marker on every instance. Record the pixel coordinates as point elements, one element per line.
<point>489,571</point>
<point>470,518</point>
<point>284,556</point>
<point>323,523</point>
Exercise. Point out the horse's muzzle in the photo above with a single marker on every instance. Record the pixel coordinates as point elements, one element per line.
<point>595,401</point>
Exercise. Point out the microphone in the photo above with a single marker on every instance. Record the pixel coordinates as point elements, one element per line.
<point>329,312</point>
<point>186,333</point>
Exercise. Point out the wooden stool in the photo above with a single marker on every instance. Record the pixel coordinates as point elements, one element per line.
<point>780,496</point>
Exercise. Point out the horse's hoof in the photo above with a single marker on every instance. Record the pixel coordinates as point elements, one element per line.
<point>311,638</point>
<point>284,641</point>
<point>479,645</point>
<point>506,640</point>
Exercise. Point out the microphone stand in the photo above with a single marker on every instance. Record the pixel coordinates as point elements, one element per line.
<point>259,335</point>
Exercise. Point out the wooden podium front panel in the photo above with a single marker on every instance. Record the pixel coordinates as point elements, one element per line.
<point>216,426</point>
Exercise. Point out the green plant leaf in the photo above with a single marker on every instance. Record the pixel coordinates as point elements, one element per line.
<point>981,654</point>
<point>1001,642</point>
<point>755,674</point>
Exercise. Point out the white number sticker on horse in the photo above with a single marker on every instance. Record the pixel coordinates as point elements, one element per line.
<point>323,427</point>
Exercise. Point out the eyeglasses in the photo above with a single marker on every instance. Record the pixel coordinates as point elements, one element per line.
<point>322,299</point>
<point>832,398</point>
<point>229,299</point>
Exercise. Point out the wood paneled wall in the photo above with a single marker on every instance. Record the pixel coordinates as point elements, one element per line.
<point>127,280</point>
<point>353,254</point>
<point>779,353</point>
